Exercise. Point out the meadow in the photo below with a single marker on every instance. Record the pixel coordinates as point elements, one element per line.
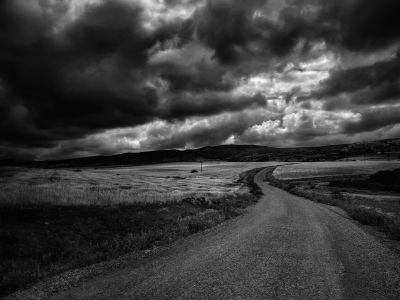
<point>122,185</point>
<point>55,220</point>
<point>336,168</point>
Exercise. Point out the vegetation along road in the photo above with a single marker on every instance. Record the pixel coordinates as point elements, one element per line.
<point>286,247</point>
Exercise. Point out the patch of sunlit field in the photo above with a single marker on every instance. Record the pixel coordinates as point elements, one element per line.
<point>335,168</point>
<point>122,185</point>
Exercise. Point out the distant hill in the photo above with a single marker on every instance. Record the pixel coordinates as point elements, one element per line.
<point>384,149</point>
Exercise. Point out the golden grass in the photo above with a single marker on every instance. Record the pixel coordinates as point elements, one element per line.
<point>336,168</point>
<point>38,240</point>
<point>124,185</point>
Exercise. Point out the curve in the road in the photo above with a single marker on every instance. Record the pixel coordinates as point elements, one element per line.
<point>285,247</point>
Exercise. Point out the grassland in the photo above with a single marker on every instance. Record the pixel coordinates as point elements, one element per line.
<point>354,186</point>
<point>123,185</point>
<point>337,168</point>
<point>57,224</point>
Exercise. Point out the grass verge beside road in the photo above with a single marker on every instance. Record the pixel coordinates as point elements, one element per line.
<point>38,241</point>
<point>338,191</point>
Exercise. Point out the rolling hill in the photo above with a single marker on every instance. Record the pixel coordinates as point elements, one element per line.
<point>383,149</point>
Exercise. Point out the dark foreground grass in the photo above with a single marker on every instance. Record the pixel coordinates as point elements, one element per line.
<point>38,241</point>
<point>387,181</point>
<point>385,214</point>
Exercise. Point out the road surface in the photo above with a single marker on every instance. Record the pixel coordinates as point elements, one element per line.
<point>285,247</point>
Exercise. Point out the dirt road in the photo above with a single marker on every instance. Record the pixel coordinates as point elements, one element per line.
<point>286,247</point>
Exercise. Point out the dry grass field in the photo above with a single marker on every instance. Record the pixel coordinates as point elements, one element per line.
<point>336,168</point>
<point>53,220</point>
<point>122,185</point>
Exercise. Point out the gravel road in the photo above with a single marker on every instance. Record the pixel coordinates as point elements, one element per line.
<point>285,247</point>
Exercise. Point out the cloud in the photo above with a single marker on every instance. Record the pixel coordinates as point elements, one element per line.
<point>362,25</point>
<point>373,119</point>
<point>78,80</point>
<point>291,72</point>
<point>379,77</point>
<point>190,67</point>
<point>186,105</point>
<point>227,27</point>
<point>356,25</point>
<point>297,126</point>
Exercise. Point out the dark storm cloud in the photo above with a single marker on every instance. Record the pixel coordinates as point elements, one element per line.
<point>238,30</point>
<point>163,135</point>
<point>77,81</point>
<point>186,105</point>
<point>212,132</point>
<point>372,119</point>
<point>242,31</point>
<point>92,75</point>
<point>372,84</point>
<point>65,77</point>
<point>361,24</point>
<point>228,27</point>
<point>358,25</point>
<point>198,78</point>
<point>231,28</point>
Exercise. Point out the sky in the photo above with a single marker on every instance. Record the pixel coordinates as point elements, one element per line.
<point>97,77</point>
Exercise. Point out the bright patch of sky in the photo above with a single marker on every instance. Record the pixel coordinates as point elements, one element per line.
<point>301,78</point>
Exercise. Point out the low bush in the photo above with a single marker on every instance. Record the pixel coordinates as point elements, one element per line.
<point>376,217</point>
<point>387,177</point>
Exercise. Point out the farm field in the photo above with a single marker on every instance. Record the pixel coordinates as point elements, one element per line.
<point>54,220</point>
<point>336,168</point>
<point>353,186</point>
<point>122,185</point>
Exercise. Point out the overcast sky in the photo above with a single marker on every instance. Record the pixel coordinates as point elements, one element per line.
<point>87,77</point>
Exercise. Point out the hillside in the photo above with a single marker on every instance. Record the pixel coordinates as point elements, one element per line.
<point>384,149</point>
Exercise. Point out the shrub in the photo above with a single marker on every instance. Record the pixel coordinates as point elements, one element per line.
<point>387,177</point>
